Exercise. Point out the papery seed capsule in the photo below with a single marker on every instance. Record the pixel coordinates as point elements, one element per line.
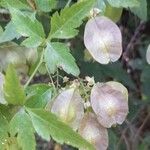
<point>109,104</point>
<point>119,87</point>
<point>93,132</point>
<point>69,107</point>
<point>103,39</point>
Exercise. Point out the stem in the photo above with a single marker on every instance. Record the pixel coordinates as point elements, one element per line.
<point>52,82</point>
<point>57,79</point>
<point>35,70</point>
<point>68,3</point>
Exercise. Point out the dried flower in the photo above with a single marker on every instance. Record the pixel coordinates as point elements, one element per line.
<point>109,103</point>
<point>93,132</point>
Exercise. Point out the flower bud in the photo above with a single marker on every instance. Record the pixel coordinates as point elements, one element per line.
<point>109,103</point>
<point>93,132</point>
<point>68,106</point>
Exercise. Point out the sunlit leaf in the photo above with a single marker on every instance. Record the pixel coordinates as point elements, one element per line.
<point>58,55</point>
<point>58,130</point>
<point>64,25</point>
<point>103,40</point>
<point>9,34</point>
<point>13,91</point>
<point>28,27</point>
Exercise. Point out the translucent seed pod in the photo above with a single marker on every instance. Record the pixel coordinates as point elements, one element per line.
<point>2,99</point>
<point>69,107</point>
<point>103,39</point>
<point>118,86</point>
<point>109,104</point>
<point>93,132</point>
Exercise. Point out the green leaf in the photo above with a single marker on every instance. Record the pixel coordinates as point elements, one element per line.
<point>28,27</point>
<point>21,126</point>
<point>141,10</point>
<point>123,3</point>
<point>15,3</point>
<point>9,34</point>
<point>38,95</point>
<point>3,131</point>
<point>113,13</point>
<point>1,30</point>
<point>13,91</point>
<point>100,4</point>
<point>58,55</point>
<point>64,26</point>
<point>46,5</point>
<point>57,129</point>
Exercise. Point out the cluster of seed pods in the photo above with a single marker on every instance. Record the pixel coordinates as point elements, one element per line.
<point>109,101</point>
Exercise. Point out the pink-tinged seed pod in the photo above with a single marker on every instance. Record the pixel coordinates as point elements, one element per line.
<point>93,132</point>
<point>109,104</point>
<point>103,39</point>
<point>119,87</point>
<point>2,79</point>
<point>69,107</point>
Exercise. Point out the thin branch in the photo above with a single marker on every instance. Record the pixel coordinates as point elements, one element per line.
<point>133,40</point>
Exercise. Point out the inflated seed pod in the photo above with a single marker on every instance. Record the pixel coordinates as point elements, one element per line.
<point>119,87</point>
<point>2,79</point>
<point>109,104</point>
<point>92,131</point>
<point>68,106</point>
<point>103,39</point>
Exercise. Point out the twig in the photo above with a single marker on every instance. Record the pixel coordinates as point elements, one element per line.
<point>133,40</point>
<point>35,70</point>
<point>68,3</point>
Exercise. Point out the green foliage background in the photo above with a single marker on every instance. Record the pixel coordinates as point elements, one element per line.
<point>50,26</point>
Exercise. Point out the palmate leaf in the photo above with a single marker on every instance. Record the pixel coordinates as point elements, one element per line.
<point>123,3</point>
<point>58,55</point>
<point>13,91</point>
<point>29,27</point>
<point>64,26</point>
<point>57,129</point>
<point>21,126</point>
